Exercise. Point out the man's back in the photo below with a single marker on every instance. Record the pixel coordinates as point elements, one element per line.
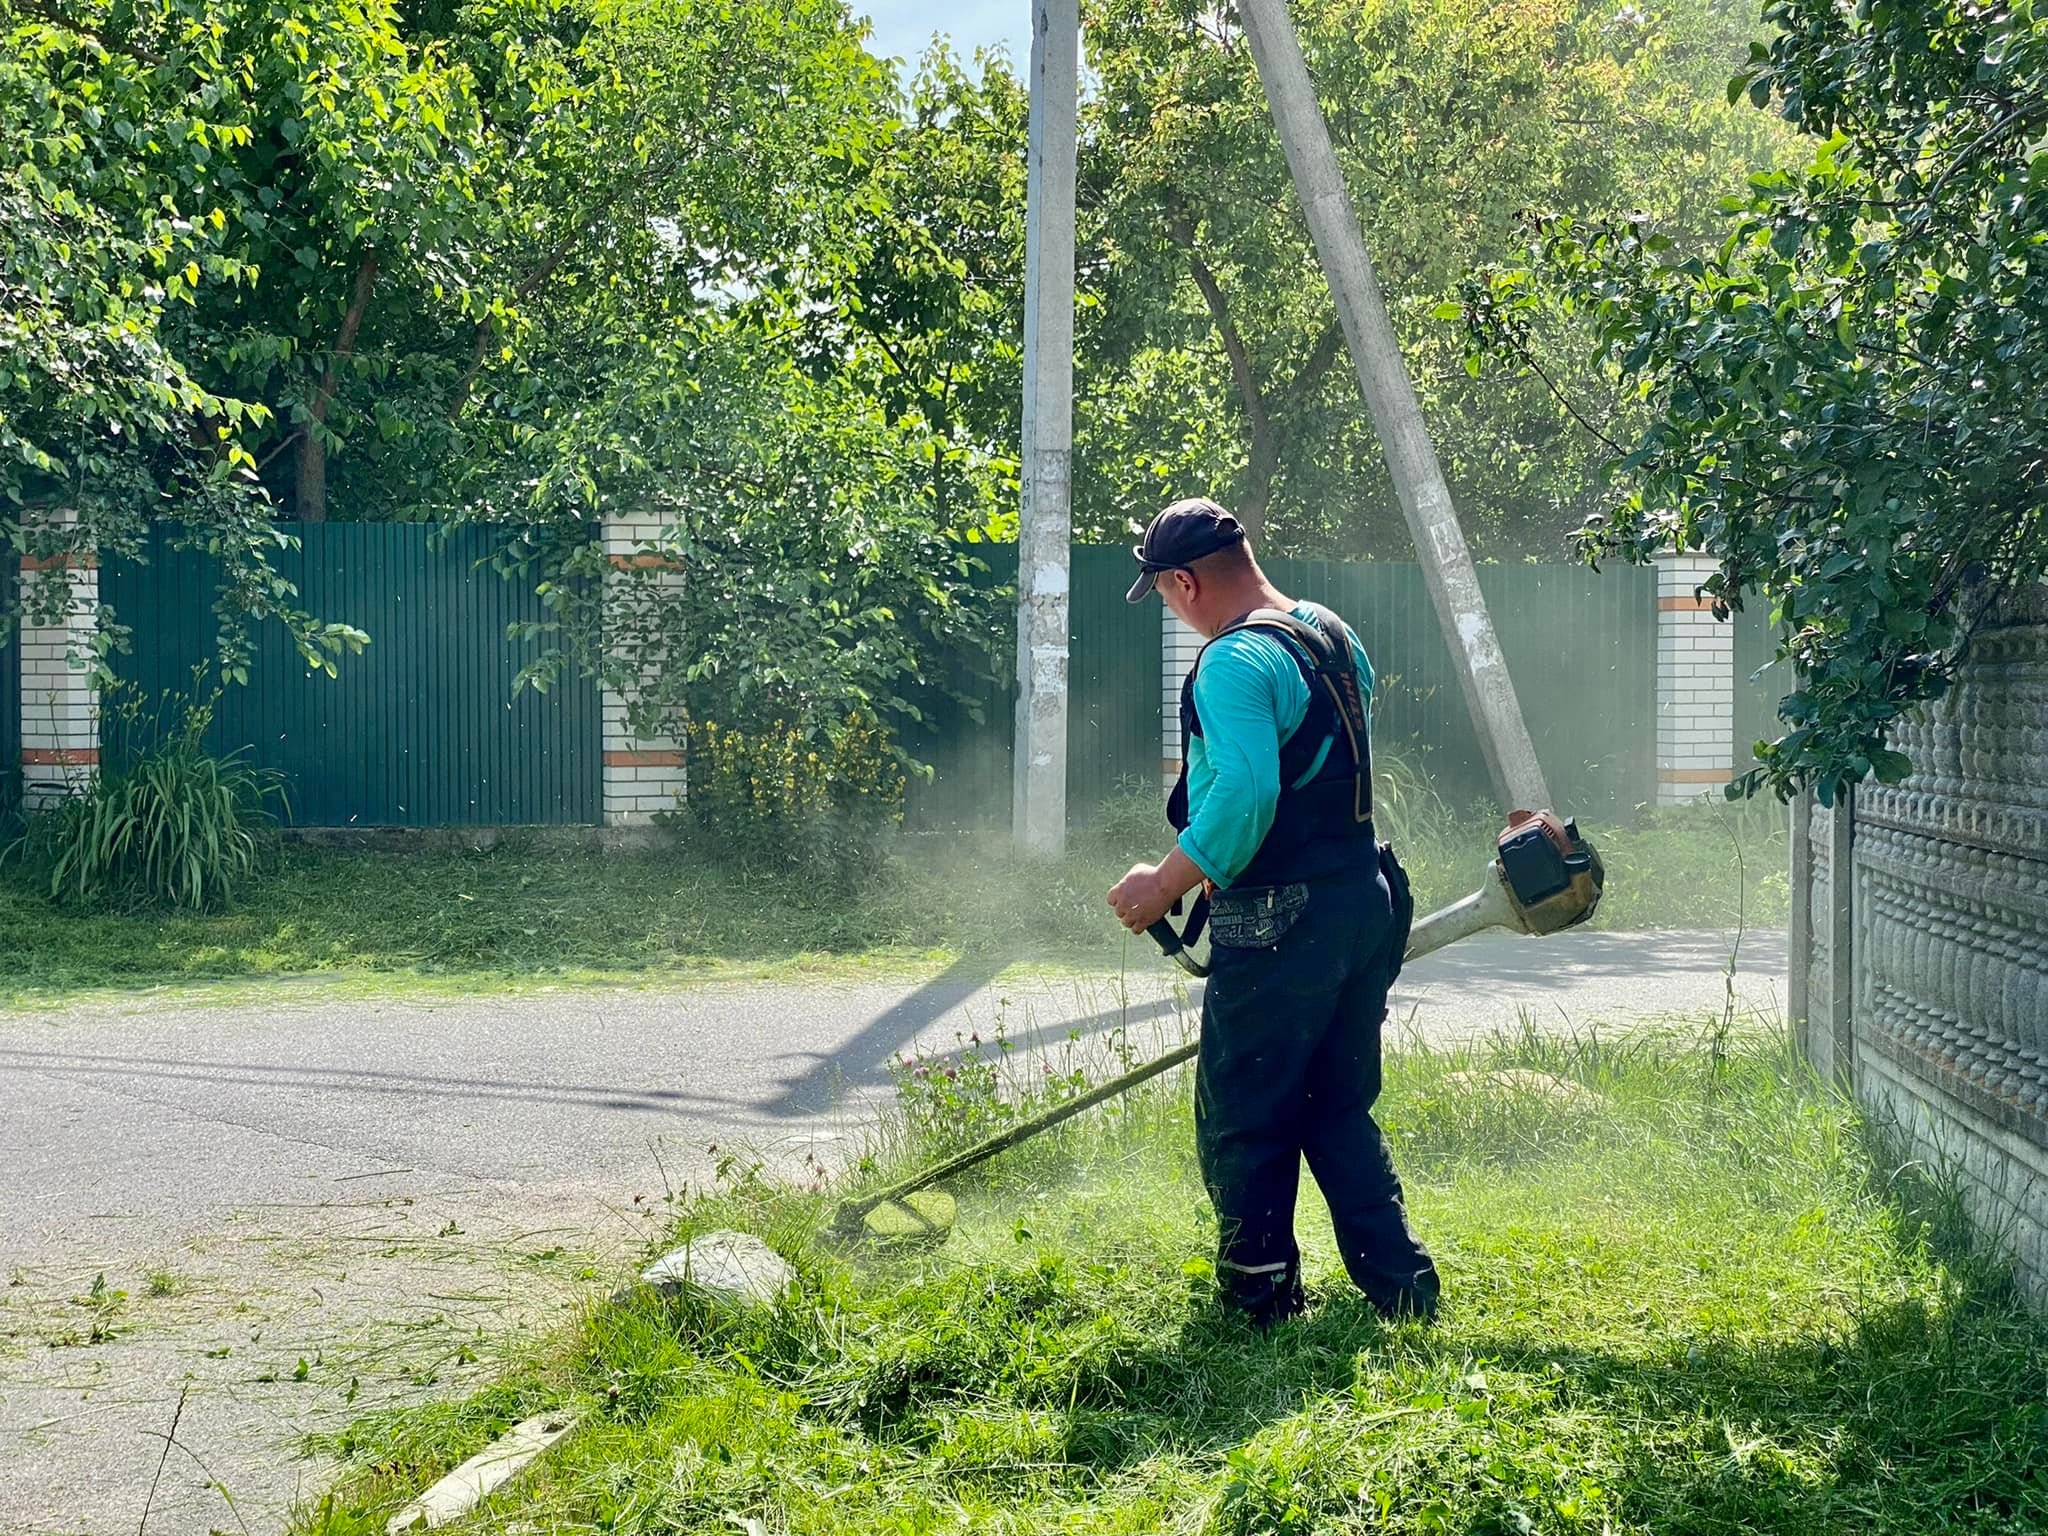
<point>1251,696</point>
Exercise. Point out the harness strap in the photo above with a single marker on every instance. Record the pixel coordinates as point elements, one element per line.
<point>1179,946</point>
<point>1328,653</point>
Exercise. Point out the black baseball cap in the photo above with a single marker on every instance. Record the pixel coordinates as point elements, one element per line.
<point>1178,537</point>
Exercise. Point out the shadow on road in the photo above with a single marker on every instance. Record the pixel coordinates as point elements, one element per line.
<point>862,1062</point>
<point>251,1074</point>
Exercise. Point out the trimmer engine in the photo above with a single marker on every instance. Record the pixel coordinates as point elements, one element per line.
<point>1551,873</point>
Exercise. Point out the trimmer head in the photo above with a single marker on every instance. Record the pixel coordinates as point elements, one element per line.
<point>922,1218</point>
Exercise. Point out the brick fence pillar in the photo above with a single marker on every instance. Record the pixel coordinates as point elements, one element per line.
<point>1178,647</point>
<point>60,701</point>
<point>1695,685</point>
<point>642,774</point>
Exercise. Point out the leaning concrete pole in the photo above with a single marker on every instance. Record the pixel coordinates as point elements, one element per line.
<point>1039,798</point>
<point>1390,395</point>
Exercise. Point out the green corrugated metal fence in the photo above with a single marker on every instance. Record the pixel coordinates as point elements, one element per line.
<point>1112,706</point>
<point>1581,647</point>
<point>1113,692</point>
<point>965,740</point>
<point>424,728</point>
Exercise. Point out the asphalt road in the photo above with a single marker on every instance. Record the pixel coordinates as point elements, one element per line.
<point>316,1204</point>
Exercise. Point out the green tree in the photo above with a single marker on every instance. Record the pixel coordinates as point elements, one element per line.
<point>666,161</point>
<point>801,573</point>
<point>931,314</point>
<point>803,377</point>
<point>1844,398</point>
<point>1213,359</point>
<point>272,255</point>
<point>109,237</point>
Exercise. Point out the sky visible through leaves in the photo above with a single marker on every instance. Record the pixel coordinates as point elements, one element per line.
<point>903,28</point>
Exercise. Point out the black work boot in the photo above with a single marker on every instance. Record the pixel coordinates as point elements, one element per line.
<point>1264,1301</point>
<point>1416,1302</point>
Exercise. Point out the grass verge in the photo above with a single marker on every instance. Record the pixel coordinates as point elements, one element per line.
<point>518,913</point>
<point>1682,1296</point>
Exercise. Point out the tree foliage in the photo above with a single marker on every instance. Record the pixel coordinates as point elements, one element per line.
<point>1213,359</point>
<point>930,315</point>
<point>108,235</point>
<point>1844,399</point>
<point>708,261</point>
<point>437,261</point>
<point>797,571</point>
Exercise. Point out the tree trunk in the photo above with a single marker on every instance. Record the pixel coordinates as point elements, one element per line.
<point>311,492</point>
<point>1261,465</point>
<point>1262,459</point>
<point>1269,428</point>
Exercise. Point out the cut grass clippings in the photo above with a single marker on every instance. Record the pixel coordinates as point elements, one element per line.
<point>1685,1299</point>
<point>521,913</point>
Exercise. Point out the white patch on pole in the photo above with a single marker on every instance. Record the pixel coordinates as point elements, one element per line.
<point>1049,580</point>
<point>1478,638</point>
<point>1048,670</point>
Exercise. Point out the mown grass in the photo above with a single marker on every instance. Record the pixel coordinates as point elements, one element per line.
<point>521,912</point>
<point>1696,1303</point>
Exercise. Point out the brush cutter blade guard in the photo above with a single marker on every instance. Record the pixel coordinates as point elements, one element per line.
<point>922,1217</point>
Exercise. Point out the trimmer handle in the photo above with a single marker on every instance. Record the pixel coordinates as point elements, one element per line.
<point>1176,945</point>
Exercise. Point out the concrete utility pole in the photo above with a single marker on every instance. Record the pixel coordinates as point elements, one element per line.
<point>1390,395</point>
<point>1039,800</point>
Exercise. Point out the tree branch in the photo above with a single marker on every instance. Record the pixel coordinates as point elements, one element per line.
<point>312,482</point>
<point>56,18</point>
<point>1320,359</point>
<point>562,250</point>
<point>1242,373</point>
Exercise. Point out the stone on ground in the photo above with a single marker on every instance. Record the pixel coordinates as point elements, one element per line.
<point>724,1266</point>
<point>455,1495</point>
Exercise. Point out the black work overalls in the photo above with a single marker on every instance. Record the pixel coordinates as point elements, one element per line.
<point>1304,946</point>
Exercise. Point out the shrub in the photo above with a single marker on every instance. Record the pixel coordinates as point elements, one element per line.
<point>170,825</point>
<point>950,1099</point>
<point>780,798</point>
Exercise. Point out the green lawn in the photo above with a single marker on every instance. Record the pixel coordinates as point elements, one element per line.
<point>1694,1303</point>
<point>523,911</point>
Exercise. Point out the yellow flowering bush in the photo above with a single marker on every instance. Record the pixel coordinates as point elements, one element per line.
<point>781,797</point>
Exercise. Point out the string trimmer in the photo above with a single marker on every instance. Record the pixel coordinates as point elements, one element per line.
<point>1543,877</point>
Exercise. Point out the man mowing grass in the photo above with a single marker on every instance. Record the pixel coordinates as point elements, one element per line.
<point>1308,917</point>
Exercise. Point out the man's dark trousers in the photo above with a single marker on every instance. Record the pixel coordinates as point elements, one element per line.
<point>1290,1066</point>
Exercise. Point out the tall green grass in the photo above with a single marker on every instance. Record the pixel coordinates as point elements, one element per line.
<point>1684,1294</point>
<point>522,909</point>
<point>174,828</point>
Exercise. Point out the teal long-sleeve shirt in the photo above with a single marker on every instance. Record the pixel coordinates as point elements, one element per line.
<point>1251,698</point>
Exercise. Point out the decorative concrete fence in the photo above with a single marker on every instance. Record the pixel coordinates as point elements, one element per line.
<point>1920,936</point>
